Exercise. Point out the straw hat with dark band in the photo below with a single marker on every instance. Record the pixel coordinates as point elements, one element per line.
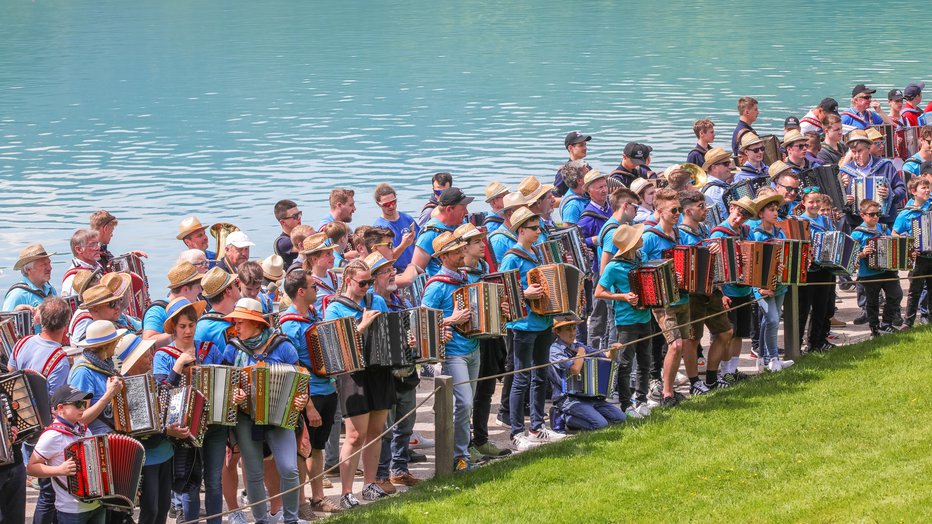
<point>750,139</point>
<point>31,253</point>
<point>792,136</point>
<point>316,243</point>
<point>248,309</point>
<point>446,242</point>
<point>519,217</point>
<point>857,135</point>
<point>494,190</point>
<point>215,281</point>
<point>714,156</point>
<point>761,203</point>
<point>182,274</point>
<point>376,261</point>
<point>778,168</point>
<point>591,177</point>
<point>568,320</point>
<point>746,204</point>
<point>97,295</point>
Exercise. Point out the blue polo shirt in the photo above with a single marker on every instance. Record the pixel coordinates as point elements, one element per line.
<point>404,223</point>
<point>214,331</point>
<point>759,235</point>
<point>439,295</point>
<point>425,241</point>
<point>862,234</point>
<point>501,241</point>
<point>607,246</point>
<point>572,206</point>
<point>851,118</point>
<point>533,321</point>
<point>154,319</point>
<point>731,290</point>
<point>615,280</point>
<point>295,331</point>
<point>17,297</point>
<point>653,248</point>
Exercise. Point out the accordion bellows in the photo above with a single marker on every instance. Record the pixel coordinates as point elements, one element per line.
<point>217,384</point>
<point>514,293</point>
<point>759,264</point>
<point>109,470</point>
<point>562,286</point>
<point>139,299</point>
<point>890,253</point>
<point>571,244</point>
<point>795,228</point>
<point>836,251</point>
<point>272,391</point>
<point>597,378</point>
<point>27,395</point>
<point>727,263</point>
<point>797,255</point>
<point>694,263</point>
<point>485,302</point>
<point>335,347</point>
<point>654,283</point>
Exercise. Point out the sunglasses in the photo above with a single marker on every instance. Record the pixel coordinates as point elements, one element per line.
<point>390,203</point>
<point>864,97</point>
<point>754,149</point>
<point>802,145</point>
<point>727,163</point>
<point>295,216</point>
<point>78,404</point>
<point>744,214</point>
<point>365,283</point>
<point>532,228</point>
<point>872,214</point>
<point>389,245</point>
<point>814,189</point>
<point>789,189</point>
<point>676,210</point>
<point>114,305</point>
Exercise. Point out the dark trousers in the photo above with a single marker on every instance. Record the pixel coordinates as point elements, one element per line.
<point>922,267</point>
<point>893,295</point>
<point>13,493</point>
<point>155,495</point>
<point>45,511</point>
<point>640,351</point>
<point>504,409</point>
<point>491,362</point>
<point>658,345</point>
<point>816,304</point>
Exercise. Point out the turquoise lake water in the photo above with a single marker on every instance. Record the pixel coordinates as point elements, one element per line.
<point>156,110</point>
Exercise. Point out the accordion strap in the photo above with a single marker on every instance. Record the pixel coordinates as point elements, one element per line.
<point>493,218</point>
<point>98,369</point>
<point>605,230</point>
<point>293,317</point>
<point>722,229</point>
<point>172,351</point>
<point>520,253</point>
<point>442,278</point>
<point>594,214</point>
<point>661,234</point>
<point>203,350</point>
<point>22,285</point>
<point>856,116</point>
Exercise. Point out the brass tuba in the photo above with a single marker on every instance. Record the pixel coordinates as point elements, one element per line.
<point>220,231</point>
<point>698,176</point>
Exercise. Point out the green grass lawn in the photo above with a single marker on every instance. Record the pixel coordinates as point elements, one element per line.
<point>840,437</point>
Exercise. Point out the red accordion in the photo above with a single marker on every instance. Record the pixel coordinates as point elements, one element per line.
<point>654,283</point>
<point>109,470</point>
<point>694,263</point>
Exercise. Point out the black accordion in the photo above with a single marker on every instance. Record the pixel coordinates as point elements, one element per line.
<point>890,253</point>
<point>745,188</point>
<point>335,347</point>
<point>827,180</point>
<point>771,149</point>
<point>759,264</point>
<point>726,264</point>
<point>6,434</point>
<point>385,343</point>
<point>485,302</point>
<point>797,256</point>
<point>514,293</point>
<point>572,244</point>
<point>563,291</point>
<point>654,283</point>
<point>109,470</point>
<point>27,394</point>
<point>694,263</point>
<point>836,251</point>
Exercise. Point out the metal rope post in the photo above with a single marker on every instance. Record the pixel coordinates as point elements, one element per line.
<point>443,426</point>
<point>791,327</point>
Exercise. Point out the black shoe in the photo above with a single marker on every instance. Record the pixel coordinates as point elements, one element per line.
<point>669,402</point>
<point>898,322</point>
<point>846,286</point>
<point>886,329</point>
<point>861,320</point>
<point>414,457</point>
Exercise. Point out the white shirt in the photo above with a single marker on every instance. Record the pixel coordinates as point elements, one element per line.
<point>51,447</point>
<point>67,284</point>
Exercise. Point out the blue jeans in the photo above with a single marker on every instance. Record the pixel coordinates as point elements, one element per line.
<point>284,448</point>
<point>213,453</point>
<point>531,348</point>
<point>395,445</point>
<point>770,309</point>
<point>97,516</point>
<point>589,414</point>
<point>45,505</point>
<point>462,368</point>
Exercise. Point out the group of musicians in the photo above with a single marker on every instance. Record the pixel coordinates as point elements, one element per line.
<point>223,308</point>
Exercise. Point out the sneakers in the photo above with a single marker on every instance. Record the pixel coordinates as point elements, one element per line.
<point>754,353</point>
<point>699,388</point>
<point>785,363</point>
<point>327,483</point>
<point>861,320</point>
<point>834,322</point>
<point>325,505</point>
<point>414,457</point>
<point>886,329</point>
<point>522,442</point>
<point>642,409</point>
<point>419,441</point>
<point>373,492</point>
<point>427,371</point>
<point>655,391</point>
<point>545,435</point>
<point>306,512</point>
<point>669,402</point>
<point>348,501</point>
<point>700,362</point>
<point>405,479</point>
<point>774,365</point>
<point>386,486</point>
<point>274,518</point>
<point>237,517</point>
<point>632,413</point>
<point>491,450</point>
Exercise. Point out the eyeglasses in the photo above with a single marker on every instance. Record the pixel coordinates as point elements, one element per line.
<point>814,189</point>
<point>295,216</point>
<point>390,203</point>
<point>676,210</point>
<point>872,214</point>
<point>389,245</point>
<point>878,143</point>
<point>364,283</point>
<point>790,189</point>
<point>78,403</point>
<point>201,264</point>
<point>754,149</point>
<point>92,245</point>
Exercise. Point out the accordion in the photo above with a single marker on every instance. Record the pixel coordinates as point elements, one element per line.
<point>485,303</point>
<point>217,384</point>
<point>694,263</point>
<point>139,301</point>
<point>514,292</point>
<point>562,286</point>
<point>713,216</point>
<point>335,347</point>
<point>864,188</point>
<point>8,339</point>
<point>921,232</point>
<point>136,408</point>
<point>795,228</point>
<point>826,179</point>
<point>890,253</point>
<point>272,392</point>
<point>654,282</point>
<point>759,263</point>
<point>6,438</point>
<point>549,252</point>
<point>385,343</point>
<point>597,378</point>
<point>426,328</point>
<point>771,149</point>
<point>796,259</point>
<point>911,139</point>
<point>726,264</point>
<point>27,394</point>
<point>745,188</point>
<point>22,322</point>
<point>415,292</point>
<point>836,251</point>
<point>572,243</point>
<point>109,470</point>
<point>186,407</point>
<point>889,147</point>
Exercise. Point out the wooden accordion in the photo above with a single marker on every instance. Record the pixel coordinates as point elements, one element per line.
<point>549,251</point>
<point>571,243</point>
<point>137,409</point>
<point>335,347</point>
<point>218,384</point>
<point>109,470</point>
<point>827,180</point>
<point>385,343</point>
<point>654,282</point>
<point>597,378</point>
<point>921,232</point>
<point>272,391</point>
<point>514,292</point>
<point>836,251</point>
<point>22,322</point>
<point>745,188</point>
<point>759,263</point>
<point>6,435</point>
<point>139,299</point>
<point>186,407</point>
<point>426,328</point>
<point>890,253</point>
<point>26,392</point>
<point>562,286</point>
<point>694,263</point>
<point>727,263</point>
<point>865,188</point>
<point>485,302</point>
<point>795,228</point>
<point>797,255</point>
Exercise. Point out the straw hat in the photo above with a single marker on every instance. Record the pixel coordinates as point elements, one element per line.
<point>494,190</point>
<point>376,261</point>
<point>99,333</point>
<point>183,274</point>
<point>750,139</point>
<point>469,231</point>
<point>215,281</point>
<point>188,226</point>
<point>97,295</point>
<point>873,134</point>
<point>761,203</point>
<point>513,200</point>
<point>316,242</point>
<point>130,350</point>
<point>746,204</point>
<point>640,184</point>
<point>778,168</point>
<point>82,278</point>
<point>714,156</point>
<point>446,242</point>
<point>31,253</point>
<point>176,306</point>
<point>532,189</point>
<point>567,320</point>
<point>626,237</point>
<point>591,177</point>
<point>792,136</point>
<point>118,283</point>
<point>248,309</point>
<point>857,135</point>
<point>522,215</point>
<point>273,268</point>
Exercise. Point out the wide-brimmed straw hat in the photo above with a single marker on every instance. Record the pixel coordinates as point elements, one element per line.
<point>447,242</point>
<point>130,350</point>
<point>182,274</point>
<point>532,189</point>
<point>522,215</point>
<point>857,135</point>
<point>591,177</point>
<point>188,226</point>
<point>513,200</point>
<point>566,320</point>
<point>746,204</point>
<point>873,134</point>
<point>31,253</point>
<point>248,309</point>
<point>82,279</point>
<point>792,136</point>
<point>750,139</point>
<point>762,202</point>
<point>176,306</point>
<point>99,333</point>
<point>714,156</point>
<point>640,184</point>
<point>316,243</point>
<point>626,237</point>
<point>778,168</point>
<point>494,190</point>
<point>273,268</point>
<point>97,295</point>
<point>215,281</point>
<point>469,231</point>
<point>376,261</point>
<point>119,283</point>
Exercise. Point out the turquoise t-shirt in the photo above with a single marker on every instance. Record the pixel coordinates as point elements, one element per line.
<point>533,321</point>
<point>615,280</point>
<point>295,331</point>
<point>862,234</point>
<point>425,241</point>
<point>572,206</point>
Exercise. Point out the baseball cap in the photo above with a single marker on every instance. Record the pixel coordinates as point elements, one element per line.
<point>829,105</point>
<point>925,167</point>
<point>575,137</point>
<point>791,122</point>
<point>637,152</point>
<point>453,196</point>
<point>913,89</point>
<point>895,94</point>
<point>239,239</point>
<point>67,393</point>
<point>861,88</point>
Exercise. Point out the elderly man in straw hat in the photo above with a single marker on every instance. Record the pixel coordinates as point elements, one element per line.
<point>796,145</point>
<point>575,200</point>
<point>530,340</point>
<point>451,209</point>
<point>864,164</point>
<point>597,211</point>
<point>495,196</point>
<point>194,236</point>
<point>85,246</point>
<point>221,292</point>
<point>35,265</point>
<point>97,303</point>
<point>503,238</point>
<point>718,166</point>
<point>752,149</point>
<point>184,280</point>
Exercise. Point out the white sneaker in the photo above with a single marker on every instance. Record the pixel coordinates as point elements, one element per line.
<point>274,519</point>
<point>545,435</point>
<point>786,363</point>
<point>681,380</point>
<point>419,441</point>
<point>774,365</point>
<point>237,517</point>
<point>632,412</point>
<point>521,442</point>
<point>643,409</point>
